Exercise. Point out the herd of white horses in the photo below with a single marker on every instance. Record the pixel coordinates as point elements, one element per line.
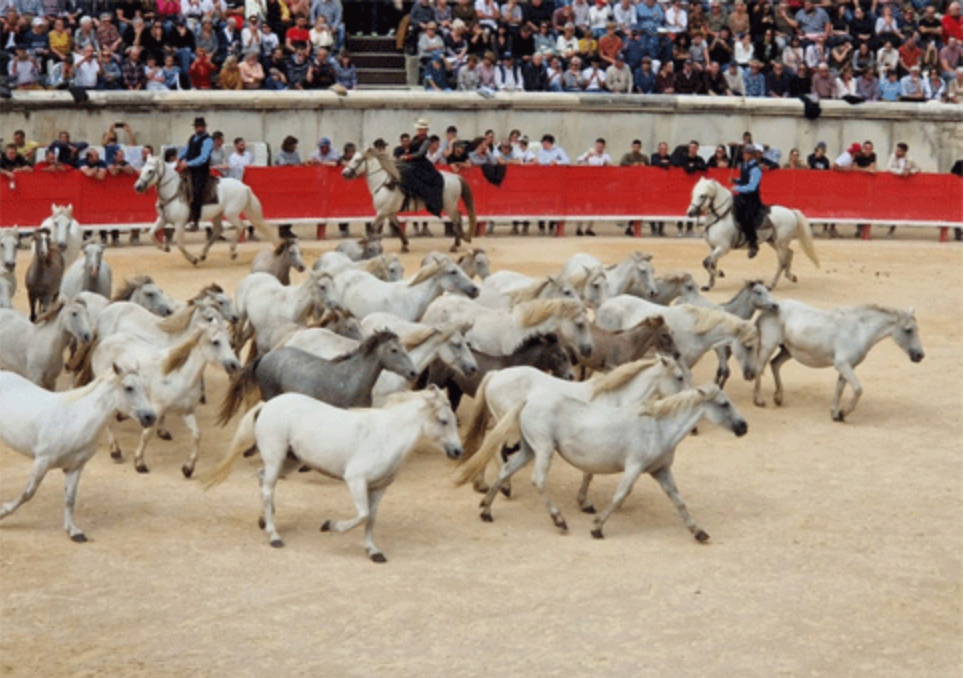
<point>353,366</point>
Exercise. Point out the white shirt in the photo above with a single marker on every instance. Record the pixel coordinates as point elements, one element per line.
<point>676,20</point>
<point>591,158</point>
<point>595,78</point>
<point>527,156</point>
<point>86,73</point>
<point>599,15</point>
<point>554,154</point>
<point>508,79</point>
<point>845,160</point>
<point>237,163</point>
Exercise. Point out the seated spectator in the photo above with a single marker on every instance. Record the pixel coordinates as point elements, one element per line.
<point>508,76</point>
<point>567,44</point>
<point>720,49</point>
<point>86,68</point>
<point>720,158</point>
<point>635,157</point>
<point>297,69</point>
<point>572,78</point>
<point>201,70</point>
<point>693,162</point>
<point>900,164</point>
<point>554,74</point>
<point>252,73</point>
<point>596,156</point>
<point>863,59</point>
<point>85,35</point>
<point>951,23</point>
<point>910,54</point>
<point>544,41</point>
<point>68,152</point>
<point>587,47</point>
<point>954,88</point>
<point>888,58</point>
<point>816,53</point>
<point>435,75</point>
<point>734,80</point>
<point>297,34</point>
<point>13,162</point>
<point>463,10</point>
<point>486,71</point>
<point>468,78</point>
<point>172,74</point>
<point>688,81</point>
<point>818,160</point>
<point>756,82</point>
<point>487,14</point>
<point>60,41</point>
<point>230,76</point>
<point>778,82</point>
<point>811,22</point>
<point>699,54</point>
<point>505,154</point>
<point>238,160</point>
<point>93,166</point>
<point>866,159</point>
<point>133,75</point>
<point>288,155</point>
<point>24,70</point>
<point>624,15</point>
<point>867,86</point>
<point>739,20</point>
<point>794,161</point>
<point>550,154</point>
<point>890,88</point>
<point>346,74</point>
<point>534,76</point>
<point>524,44</point>
<point>51,164</point>
<point>482,153</point>
<point>847,87</point>
<point>110,78</point>
<point>26,148</point>
<point>644,80</point>
<point>120,165</point>
<point>845,161</point>
<point>610,44</point>
<point>887,28</point>
<point>430,43</point>
<point>823,85</point>
<point>912,86</point>
<point>793,55</point>
<point>950,58</point>
<point>154,76</point>
<point>665,79</point>
<point>511,16</point>
<point>619,79</point>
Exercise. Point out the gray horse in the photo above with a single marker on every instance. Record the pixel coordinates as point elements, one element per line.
<point>366,248</point>
<point>280,260</point>
<point>345,381</point>
<point>88,274</point>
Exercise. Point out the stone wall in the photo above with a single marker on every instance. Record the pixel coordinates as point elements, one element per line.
<point>933,131</point>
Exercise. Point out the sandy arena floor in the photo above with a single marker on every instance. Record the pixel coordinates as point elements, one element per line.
<point>835,551</point>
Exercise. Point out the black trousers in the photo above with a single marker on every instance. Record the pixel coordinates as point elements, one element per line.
<point>199,180</point>
<point>745,207</point>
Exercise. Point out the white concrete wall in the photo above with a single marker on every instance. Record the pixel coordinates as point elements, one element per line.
<point>933,131</point>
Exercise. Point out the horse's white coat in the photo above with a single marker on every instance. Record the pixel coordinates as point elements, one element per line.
<point>36,352</point>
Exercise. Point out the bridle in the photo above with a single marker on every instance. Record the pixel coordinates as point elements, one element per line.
<point>368,172</point>
<point>163,178</point>
<point>712,209</point>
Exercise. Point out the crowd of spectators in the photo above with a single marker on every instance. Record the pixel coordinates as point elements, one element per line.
<point>857,50</point>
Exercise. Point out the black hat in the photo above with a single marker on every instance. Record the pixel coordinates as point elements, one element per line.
<point>199,122</point>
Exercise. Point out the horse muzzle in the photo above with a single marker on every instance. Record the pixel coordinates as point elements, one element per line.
<point>473,292</point>
<point>348,173</point>
<point>86,337</point>
<point>693,212</point>
<point>10,265</point>
<point>585,350</point>
<point>453,451</point>
<point>62,246</point>
<point>139,187</point>
<point>916,356</point>
<point>232,366</point>
<point>146,418</point>
<point>740,428</point>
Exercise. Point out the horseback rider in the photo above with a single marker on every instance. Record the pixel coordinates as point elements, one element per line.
<point>746,195</point>
<point>196,159</point>
<point>418,174</point>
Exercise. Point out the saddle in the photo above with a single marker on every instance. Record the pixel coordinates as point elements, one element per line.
<point>186,190</point>
<point>762,221</point>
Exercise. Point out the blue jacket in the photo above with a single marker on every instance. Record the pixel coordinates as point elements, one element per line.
<point>750,177</point>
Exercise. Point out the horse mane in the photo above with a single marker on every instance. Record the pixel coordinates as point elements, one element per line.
<point>179,320</point>
<point>79,392</point>
<point>529,292</point>
<point>540,339</point>
<point>640,256</point>
<point>471,254</point>
<point>52,312</point>
<point>283,246</point>
<point>427,272</point>
<point>331,316</point>
<point>207,290</point>
<point>539,310</point>
<point>418,337</point>
<point>667,407</point>
<point>131,286</point>
<point>377,267</point>
<point>708,319</point>
<point>368,345</point>
<point>675,277</point>
<point>877,308</point>
<point>178,355</point>
<point>619,377</point>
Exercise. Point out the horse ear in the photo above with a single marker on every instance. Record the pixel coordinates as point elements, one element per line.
<point>662,359</point>
<point>708,390</point>
<point>117,370</point>
<point>69,211</point>
<point>910,312</point>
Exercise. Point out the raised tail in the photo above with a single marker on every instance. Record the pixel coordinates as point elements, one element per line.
<point>254,214</point>
<point>806,238</point>
<point>477,421</point>
<point>469,207</point>
<point>508,429</point>
<point>243,440</point>
<point>242,384</point>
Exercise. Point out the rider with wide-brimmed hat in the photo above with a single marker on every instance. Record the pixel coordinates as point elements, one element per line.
<point>418,174</point>
<point>746,195</point>
<point>196,159</point>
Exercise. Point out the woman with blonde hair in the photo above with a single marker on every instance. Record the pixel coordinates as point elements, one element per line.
<point>230,75</point>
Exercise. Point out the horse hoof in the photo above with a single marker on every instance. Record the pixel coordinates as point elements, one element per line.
<point>759,403</point>
<point>304,469</point>
<point>778,401</point>
<point>379,558</point>
<point>261,522</point>
<point>506,491</point>
<point>141,468</point>
<point>705,288</point>
<point>597,533</point>
<point>793,278</point>
<point>560,522</point>
<point>164,434</point>
<point>701,536</point>
<point>203,400</point>
<point>277,543</point>
<point>326,526</point>
<point>721,274</point>
<point>486,517</point>
<point>188,471</point>
<point>454,248</point>
<point>234,255</point>
<point>80,538</point>
<point>589,509</point>
<point>203,257</point>
<point>405,248</point>
<point>481,488</point>
<point>839,416</point>
<point>117,456</point>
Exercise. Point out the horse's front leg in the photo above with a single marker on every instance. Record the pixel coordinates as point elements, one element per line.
<point>775,365</point>
<point>190,420</point>
<point>665,479</point>
<point>71,481</point>
<point>180,241</point>
<point>456,218</point>
<point>399,231</point>
<point>709,263</point>
<point>374,498</point>
<point>847,376</point>
<point>358,487</point>
<point>238,230</point>
<point>515,463</point>
<point>216,231</point>
<point>539,474</point>
<point>40,468</point>
<point>784,259</point>
<point>630,476</point>
<point>723,369</point>
<point>113,445</point>
<point>139,464</point>
<point>161,242</point>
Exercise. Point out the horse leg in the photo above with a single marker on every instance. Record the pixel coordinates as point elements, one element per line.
<point>238,230</point>
<point>113,445</point>
<point>784,258</point>
<point>583,494</point>
<point>665,479</point>
<point>179,241</point>
<point>539,474</point>
<point>216,231</point>
<point>400,232</point>
<point>40,468</point>
<point>515,463</point>
<point>358,487</point>
<point>630,476</point>
<point>723,370</point>
<point>847,376</point>
<point>775,365</point>
<point>786,268</point>
<point>190,420</point>
<point>139,464</point>
<point>273,462</point>
<point>374,498</point>
<point>162,431</point>
<point>71,480</point>
<point>456,218</point>
<point>709,263</point>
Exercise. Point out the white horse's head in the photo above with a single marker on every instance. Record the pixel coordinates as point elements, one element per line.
<point>150,173</point>
<point>353,169</point>
<point>442,425</point>
<point>216,348</point>
<point>721,411</point>
<point>41,243</point>
<point>9,244</point>
<point>646,274</point>
<point>704,195</point>
<point>131,395</point>
<point>907,335</point>
<point>61,222</point>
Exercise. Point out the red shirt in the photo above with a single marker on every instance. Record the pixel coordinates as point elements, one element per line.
<point>296,34</point>
<point>951,27</point>
<point>200,73</point>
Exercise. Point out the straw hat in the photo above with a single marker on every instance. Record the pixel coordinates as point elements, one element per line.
<point>421,124</point>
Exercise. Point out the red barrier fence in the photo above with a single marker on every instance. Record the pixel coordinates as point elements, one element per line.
<point>320,194</point>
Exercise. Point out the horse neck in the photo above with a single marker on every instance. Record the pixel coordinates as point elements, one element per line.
<point>53,335</point>
<point>880,326</point>
<point>373,170</point>
<point>423,354</point>
<point>91,412</point>
<point>740,305</point>
<point>621,277</point>
<point>302,300</point>
<point>405,423</point>
<point>636,390</point>
<point>193,368</point>
<point>423,294</point>
<point>166,190</point>
<point>673,428</point>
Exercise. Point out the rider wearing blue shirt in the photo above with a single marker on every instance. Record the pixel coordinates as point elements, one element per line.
<point>196,159</point>
<point>746,195</point>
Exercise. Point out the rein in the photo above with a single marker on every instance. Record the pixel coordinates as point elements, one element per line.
<point>718,216</point>
<point>162,176</point>
<point>370,172</point>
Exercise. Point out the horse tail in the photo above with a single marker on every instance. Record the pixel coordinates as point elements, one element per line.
<point>506,430</point>
<point>477,421</point>
<point>806,237</point>
<point>243,441</point>
<point>469,207</point>
<point>241,331</point>
<point>242,384</point>
<point>254,214</point>
<point>81,363</point>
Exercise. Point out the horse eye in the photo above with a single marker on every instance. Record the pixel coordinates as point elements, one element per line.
<point>128,389</point>
<point>909,330</point>
<point>216,343</point>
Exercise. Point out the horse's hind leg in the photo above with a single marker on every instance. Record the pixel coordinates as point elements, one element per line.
<point>269,478</point>
<point>630,476</point>
<point>71,480</point>
<point>723,370</point>
<point>40,468</point>
<point>784,259</point>
<point>515,463</point>
<point>775,365</point>
<point>374,498</point>
<point>238,230</point>
<point>456,218</point>
<point>539,473</point>
<point>191,422</point>
<point>399,231</point>
<point>216,231</point>
<point>179,241</point>
<point>584,494</point>
<point>665,479</point>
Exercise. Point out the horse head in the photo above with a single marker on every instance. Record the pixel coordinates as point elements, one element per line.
<point>9,244</point>
<point>131,396</point>
<point>760,297</point>
<point>93,258</point>
<point>391,354</point>
<point>645,273</point>
<point>672,377</point>
<point>907,335</point>
<point>453,279</point>
<point>292,248</point>
<point>595,289</point>
<point>216,348</point>
<point>702,197</point>
<point>353,169</point>
<point>151,297</point>
<point>455,351</point>
<point>61,222</point>
<point>150,174</point>
<point>41,243</point>
<point>395,269</point>
<point>721,411</point>
<point>442,426</point>
<point>76,321</point>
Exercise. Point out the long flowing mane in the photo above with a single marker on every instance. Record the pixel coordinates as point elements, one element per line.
<point>178,356</point>
<point>131,286</point>
<point>667,407</point>
<point>895,313</point>
<point>178,321</point>
<point>377,267</point>
<point>367,346</point>
<point>53,311</point>
<point>619,377</point>
<point>427,272</point>
<point>539,310</point>
<point>530,292</point>
<point>284,245</point>
<point>708,319</point>
<point>675,277</point>
<point>418,337</point>
<point>207,290</point>
<point>386,162</point>
<point>747,284</point>
<point>541,339</point>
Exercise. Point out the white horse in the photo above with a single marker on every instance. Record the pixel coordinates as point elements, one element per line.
<point>363,294</point>
<point>498,332</point>
<point>66,232</point>
<point>840,338</point>
<point>672,286</point>
<point>601,439</point>
<point>134,319</point>
<point>9,244</point>
<point>505,289</point>
<point>90,274</point>
<point>475,262</point>
<point>279,261</point>
<point>264,305</point>
<point>143,291</point>
<point>633,275</point>
<point>173,377</point>
<point>628,384</point>
<point>388,200</point>
<point>695,330</point>
<point>384,267</point>
<point>234,198</point>
<point>723,234</point>
<point>36,351</point>
<point>61,430</point>
<point>363,447</point>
